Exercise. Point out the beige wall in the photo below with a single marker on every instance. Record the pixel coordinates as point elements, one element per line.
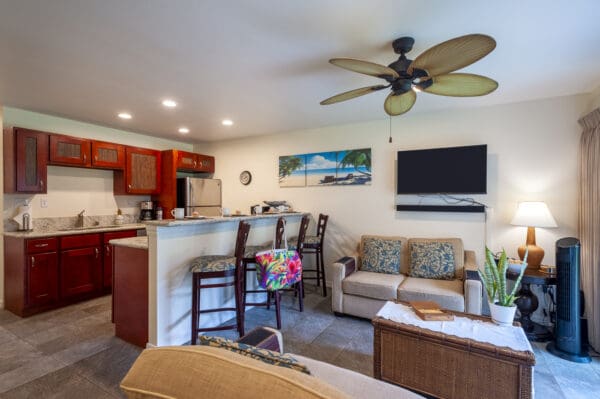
<point>72,189</point>
<point>532,155</point>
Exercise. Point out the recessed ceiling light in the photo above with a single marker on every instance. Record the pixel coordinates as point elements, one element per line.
<point>227,122</point>
<point>169,103</point>
<point>184,130</point>
<point>124,115</point>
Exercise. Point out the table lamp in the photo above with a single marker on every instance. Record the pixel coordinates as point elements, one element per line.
<point>532,215</point>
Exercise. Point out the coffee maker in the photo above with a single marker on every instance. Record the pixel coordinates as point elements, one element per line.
<point>146,210</point>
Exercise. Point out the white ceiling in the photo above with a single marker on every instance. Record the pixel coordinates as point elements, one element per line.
<point>264,63</point>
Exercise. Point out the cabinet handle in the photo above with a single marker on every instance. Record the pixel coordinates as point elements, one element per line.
<point>40,245</point>
<point>129,186</point>
<point>108,249</point>
<point>84,157</point>
<point>97,251</point>
<point>95,157</point>
<point>195,163</point>
<point>42,183</point>
<point>33,261</point>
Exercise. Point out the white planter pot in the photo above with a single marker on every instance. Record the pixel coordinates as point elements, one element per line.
<point>502,315</point>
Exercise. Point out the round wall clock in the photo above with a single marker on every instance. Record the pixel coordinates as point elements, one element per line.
<point>245,177</point>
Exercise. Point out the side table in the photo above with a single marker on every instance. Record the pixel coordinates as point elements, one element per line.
<point>527,303</point>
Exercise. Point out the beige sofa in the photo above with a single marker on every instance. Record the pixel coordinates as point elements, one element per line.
<point>191,372</point>
<point>363,293</point>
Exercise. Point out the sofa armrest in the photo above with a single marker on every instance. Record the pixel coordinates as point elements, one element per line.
<point>342,268</point>
<point>470,270</point>
<point>473,296</point>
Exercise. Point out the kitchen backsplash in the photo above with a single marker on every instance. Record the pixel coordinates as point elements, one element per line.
<point>58,223</point>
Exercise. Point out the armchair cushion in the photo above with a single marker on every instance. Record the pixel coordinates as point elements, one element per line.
<point>447,293</point>
<point>373,285</point>
<point>432,260</point>
<point>381,255</point>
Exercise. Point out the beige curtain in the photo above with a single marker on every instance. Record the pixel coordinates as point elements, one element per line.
<point>589,221</point>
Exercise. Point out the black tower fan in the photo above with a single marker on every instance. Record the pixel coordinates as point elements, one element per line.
<point>567,342</point>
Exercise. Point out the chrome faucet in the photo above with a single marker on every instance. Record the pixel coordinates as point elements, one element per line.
<point>80,219</point>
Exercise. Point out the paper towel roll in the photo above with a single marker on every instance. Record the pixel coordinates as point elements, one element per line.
<point>23,209</point>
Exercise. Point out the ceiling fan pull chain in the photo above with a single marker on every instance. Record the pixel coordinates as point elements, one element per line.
<point>390,129</point>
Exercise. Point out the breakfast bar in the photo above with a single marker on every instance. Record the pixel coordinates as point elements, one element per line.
<point>172,244</point>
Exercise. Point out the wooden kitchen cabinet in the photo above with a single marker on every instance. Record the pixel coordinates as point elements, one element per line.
<point>30,274</point>
<point>80,265</point>
<point>191,162</point>
<point>70,151</point>
<point>25,160</point>
<point>42,278</point>
<point>108,155</point>
<point>141,174</point>
<point>107,262</point>
<point>174,161</point>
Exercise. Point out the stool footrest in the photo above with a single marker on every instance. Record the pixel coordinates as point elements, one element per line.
<point>217,310</point>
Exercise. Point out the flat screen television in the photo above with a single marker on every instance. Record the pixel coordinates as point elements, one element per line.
<point>453,170</point>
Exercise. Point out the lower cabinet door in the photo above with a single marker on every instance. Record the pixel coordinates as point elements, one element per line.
<point>42,278</point>
<point>81,271</point>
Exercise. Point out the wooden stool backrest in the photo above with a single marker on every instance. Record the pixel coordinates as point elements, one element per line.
<point>240,242</point>
<point>279,229</point>
<point>321,226</point>
<point>302,234</point>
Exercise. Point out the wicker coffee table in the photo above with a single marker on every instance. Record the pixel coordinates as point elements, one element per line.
<point>447,366</point>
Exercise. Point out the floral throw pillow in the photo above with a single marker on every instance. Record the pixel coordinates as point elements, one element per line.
<point>264,355</point>
<point>434,260</point>
<point>381,255</point>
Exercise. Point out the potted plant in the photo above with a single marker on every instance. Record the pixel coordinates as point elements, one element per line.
<point>502,303</point>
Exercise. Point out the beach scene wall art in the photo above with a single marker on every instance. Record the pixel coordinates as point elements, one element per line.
<point>348,167</point>
<point>292,171</point>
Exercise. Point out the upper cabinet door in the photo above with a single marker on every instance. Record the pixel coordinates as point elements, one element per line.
<point>108,155</point>
<point>187,161</point>
<point>66,150</point>
<point>31,160</point>
<point>142,171</point>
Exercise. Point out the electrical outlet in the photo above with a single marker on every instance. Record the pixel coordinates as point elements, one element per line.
<point>44,202</point>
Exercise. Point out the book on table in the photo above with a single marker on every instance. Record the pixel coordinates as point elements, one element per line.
<point>430,311</point>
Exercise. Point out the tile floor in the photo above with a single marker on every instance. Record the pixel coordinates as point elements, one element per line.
<point>72,353</point>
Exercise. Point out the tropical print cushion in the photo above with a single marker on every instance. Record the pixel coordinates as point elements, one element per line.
<point>278,269</point>
<point>381,255</point>
<point>433,260</point>
<point>212,263</point>
<point>312,240</point>
<point>264,355</point>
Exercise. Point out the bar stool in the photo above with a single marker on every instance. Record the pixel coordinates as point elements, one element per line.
<point>314,245</point>
<point>220,266</point>
<point>298,288</point>
<point>250,259</point>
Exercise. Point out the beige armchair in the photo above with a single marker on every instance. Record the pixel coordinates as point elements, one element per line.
<point>363,293</point>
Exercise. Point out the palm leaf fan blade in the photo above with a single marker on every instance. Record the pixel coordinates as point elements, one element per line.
<point>351,94</point>
<point>365,67</point>
<point>454,54</point>
<point>461,85</point>
<point>399,104</point>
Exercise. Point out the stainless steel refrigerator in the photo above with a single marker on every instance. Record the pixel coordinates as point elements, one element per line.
<point>199,195</point>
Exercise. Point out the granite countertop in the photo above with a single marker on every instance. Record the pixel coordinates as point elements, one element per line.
<point>220,219</point>
<point>140,242</point>
<point>68,232</point>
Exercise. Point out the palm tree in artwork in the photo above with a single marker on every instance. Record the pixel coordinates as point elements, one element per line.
<point>356,159</point>
<point>288,164</point>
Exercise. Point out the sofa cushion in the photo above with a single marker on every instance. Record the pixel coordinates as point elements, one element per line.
<point>457,246</point>
<point>373,285</point>
<point>431,260</point>
<point>264,355</point>
<point>190,372</point>
<point>381,254</point>
<point>447,293</point>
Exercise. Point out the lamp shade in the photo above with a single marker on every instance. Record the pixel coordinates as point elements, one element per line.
<point>533,214</point>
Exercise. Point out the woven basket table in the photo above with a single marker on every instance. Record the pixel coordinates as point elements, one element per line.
<point>447,366</point>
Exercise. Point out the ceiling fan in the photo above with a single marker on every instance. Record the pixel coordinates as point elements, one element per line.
<point>430,72</point>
